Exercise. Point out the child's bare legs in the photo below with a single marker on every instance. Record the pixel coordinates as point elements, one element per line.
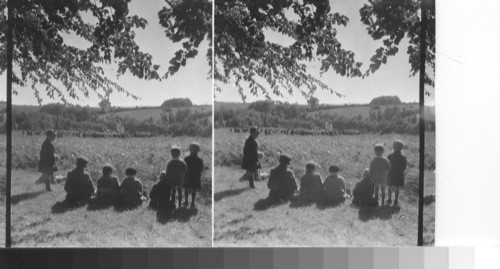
<point>179,192</point>
<point>390,189</point>
<point>193,196</point>
<point>172,199</point>
<point>396,193</point>
<point>186,196</point>
<point>382,189</point>
<point>377,186</point>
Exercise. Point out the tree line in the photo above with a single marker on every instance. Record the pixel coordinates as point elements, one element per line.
<point>385,115</point>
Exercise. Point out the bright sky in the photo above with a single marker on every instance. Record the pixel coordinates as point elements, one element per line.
<point>191,81</point>
<point>391,79</point>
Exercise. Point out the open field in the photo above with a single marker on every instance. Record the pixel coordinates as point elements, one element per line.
<point>364,110</point>
<point>39,218</point>
<point>243,217</point>
<point>155,113</point>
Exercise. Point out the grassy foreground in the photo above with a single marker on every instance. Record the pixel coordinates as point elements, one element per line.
<point>39,219</point>
<point>244,217</point>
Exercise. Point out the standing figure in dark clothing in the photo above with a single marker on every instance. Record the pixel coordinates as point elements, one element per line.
<point>160,193</point>
<point>281,184</point>
<point>250,160</point>
<point>47,162</point>
<point>108,186</point>
<point>79,188</point>
<point>397,172</point>
<point>176,173</point>
<point>131,189</point>
<point>364,190</point>
<point>193,175</point>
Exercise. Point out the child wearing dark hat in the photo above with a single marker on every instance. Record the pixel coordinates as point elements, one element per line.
<point>131,189</point>
<point>176,173</point>
<point>397,173</point>
<point>334,186</point>
<point>311,185</point>
<point>250,161</point>
<point>193,176</point>
<point>47,163</point>
<point>79,187</point>
<point>379,171</point>
<point>363,191</point>
<point>108,186</point>
<point>281,183</point>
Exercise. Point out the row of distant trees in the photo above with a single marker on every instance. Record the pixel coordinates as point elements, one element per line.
<point>385,116</point>
<point>184,120</point>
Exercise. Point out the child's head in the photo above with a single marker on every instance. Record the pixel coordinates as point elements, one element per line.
<point>130,172</point>
<point>81,162</point>
<point>175,151</point>
<point>194,148</point>
<point>107,169</point>
<point>398,145</point>
<point>379,149</point>
<point>310,167</point>
<point>254,131</point>
<point>366,173</point>
<point>285,159</point>
<point>333,169</point>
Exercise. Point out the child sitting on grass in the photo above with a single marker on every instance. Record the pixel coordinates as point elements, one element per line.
<point>108,186</point>
<point>160,193</point>
<point>311,186</point>
<point>334,186</point>
<point>379,171</point>
<point>397,173</point>
<point>193,175</point>
<point>79,188</point>
<point>131,189</point>
<point>176,173</point>
<point>363,191</point>
<point>281,183</point>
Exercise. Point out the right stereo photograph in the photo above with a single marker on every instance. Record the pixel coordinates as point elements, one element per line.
<point>322,112</point>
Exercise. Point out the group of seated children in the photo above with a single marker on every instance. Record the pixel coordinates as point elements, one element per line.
<point>383,171</point>
<point>129,193</point>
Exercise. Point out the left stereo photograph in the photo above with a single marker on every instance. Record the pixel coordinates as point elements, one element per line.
<point>112,124</point>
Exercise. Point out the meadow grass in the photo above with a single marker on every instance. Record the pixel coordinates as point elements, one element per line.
<point>243,217</point>
<point>39,219</point>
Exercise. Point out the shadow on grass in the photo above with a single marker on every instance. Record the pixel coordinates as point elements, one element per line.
<point>96,204</point>
<point>227,193</point>
<point>300,201</point>
<point>25,196</point>
<point>383,212</point>
<point>63,206</point>
<point>266,203</point>
<point>182,214</point>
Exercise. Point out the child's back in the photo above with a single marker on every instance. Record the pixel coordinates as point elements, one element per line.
<point>108,188</point>
<point>335,188</point>
<point>311,185</point>
<point>398,167</point>
<point>379,170</point>
<point>131,191</point>
<point>160,192</point>
<point>194,169</point>
<point>176,172</point>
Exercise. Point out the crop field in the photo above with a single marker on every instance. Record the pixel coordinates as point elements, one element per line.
<point>244,217</point>
<point>364,110</point>
<point>39,219</point>
<point>155,113</point>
